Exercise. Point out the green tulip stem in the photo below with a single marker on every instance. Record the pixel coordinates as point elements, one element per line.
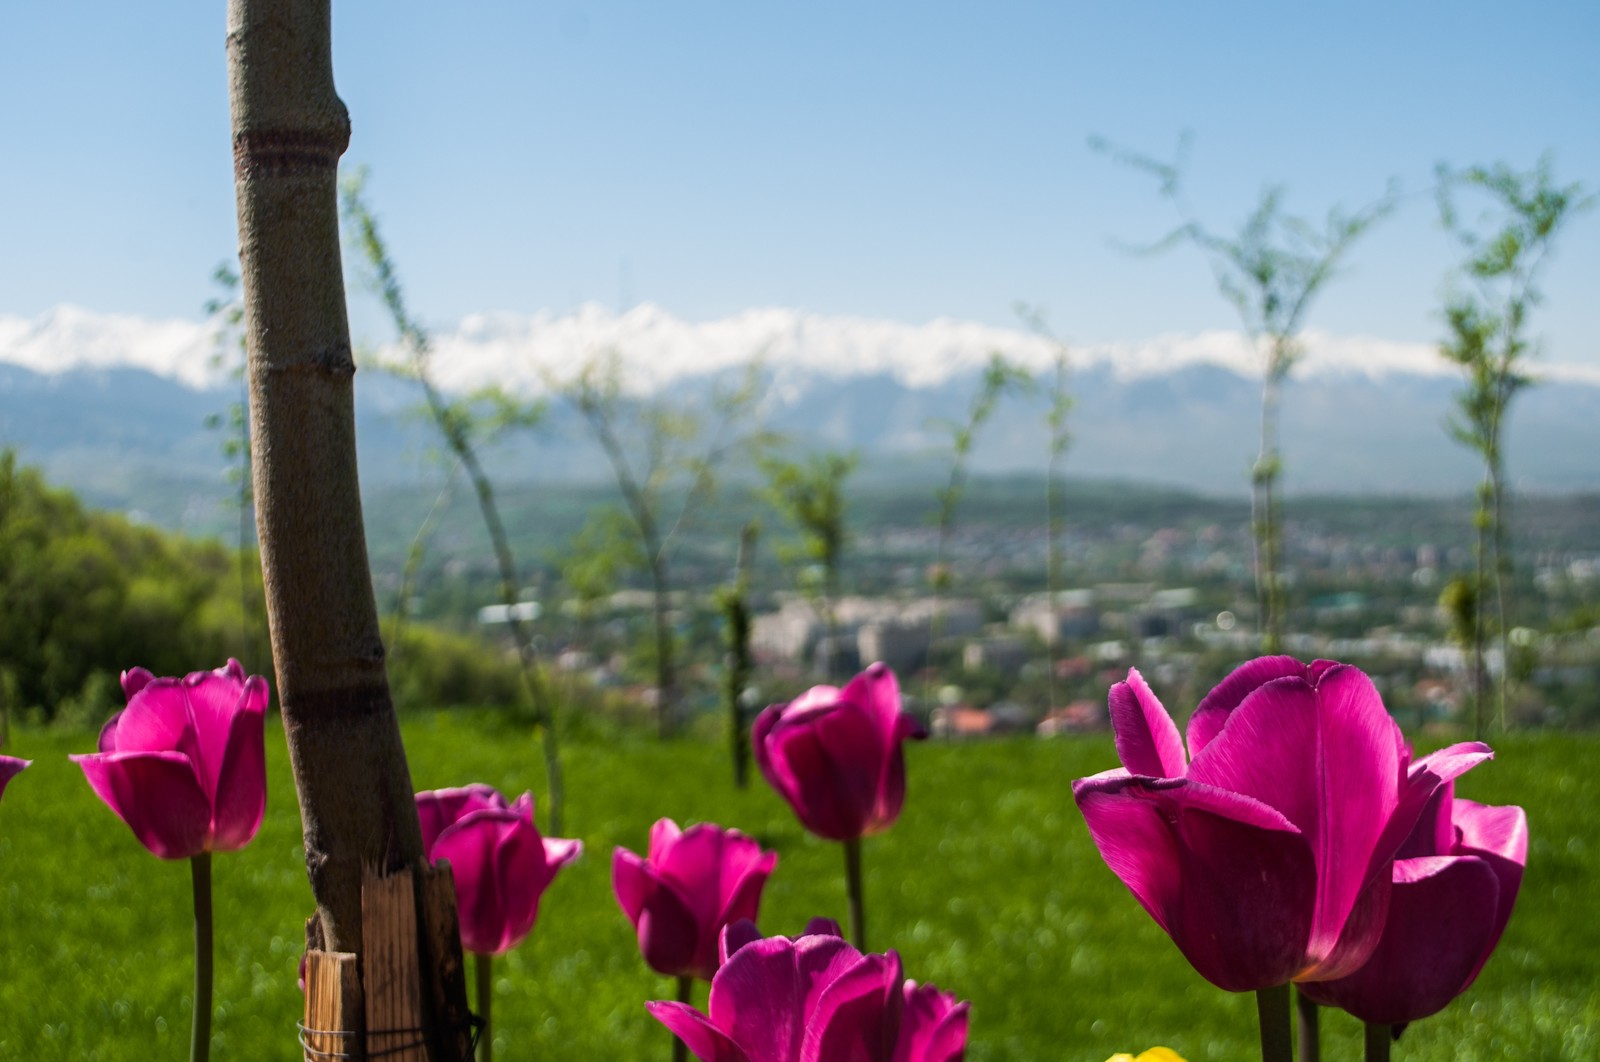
<point>483,968</point>
<point>200,1030</point>
<point>1378,1039</point>
<point>1306,1027</point>
<point>680,1050</point>
<point>852,878</point>
<point>1272,1009</point>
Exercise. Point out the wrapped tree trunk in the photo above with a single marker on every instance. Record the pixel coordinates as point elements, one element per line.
<point>356,799</point>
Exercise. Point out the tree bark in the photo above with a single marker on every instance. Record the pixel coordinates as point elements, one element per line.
<point>289,129</point>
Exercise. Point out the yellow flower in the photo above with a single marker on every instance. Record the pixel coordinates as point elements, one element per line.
<point>1155,1054</point>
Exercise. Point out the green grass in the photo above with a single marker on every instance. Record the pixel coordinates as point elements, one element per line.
<point>988,886</point>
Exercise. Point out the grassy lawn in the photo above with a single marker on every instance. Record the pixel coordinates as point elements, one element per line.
<point>988,886</point>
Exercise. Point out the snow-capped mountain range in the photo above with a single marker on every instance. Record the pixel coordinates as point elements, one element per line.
<point>112,405</point>
<point>524,352</point>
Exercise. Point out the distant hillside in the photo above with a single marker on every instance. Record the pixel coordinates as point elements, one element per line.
<point>130,440</point>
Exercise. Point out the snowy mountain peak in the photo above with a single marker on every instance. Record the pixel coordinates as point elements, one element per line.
<point>524,352</point>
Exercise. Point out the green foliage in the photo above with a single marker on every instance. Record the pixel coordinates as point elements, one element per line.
<point>1270,269</point>
<point>810,493</point>
<point>1459,599</point>
<point>988,886</point>
<point>661,453</point>
<point>89,594</point>
<point>594,561</point>
<point>1487,338</point>
<point>1000,377</point>
<point>434,668</point>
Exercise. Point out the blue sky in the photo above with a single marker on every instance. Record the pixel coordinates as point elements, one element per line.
<point>896,160</point>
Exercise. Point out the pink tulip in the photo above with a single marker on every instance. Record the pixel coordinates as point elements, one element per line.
<point>500,863</point>
<point>184,764</point>
<point>1265,853</point>
<point>10,767</point>
<point>814,998</point>
<point>1454,886</point>
<point>693,884</point>
<point>835,754</point>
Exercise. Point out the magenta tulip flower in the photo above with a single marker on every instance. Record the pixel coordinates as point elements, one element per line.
<point>184,764</point>
<point>501,867</point>
<point>835,754</point>
<point>815,998</point>
<point>1265,854</point>
<point>500,863</point>
<point>10,767</point>
<point>692,885</point>
<point>1454,886</point>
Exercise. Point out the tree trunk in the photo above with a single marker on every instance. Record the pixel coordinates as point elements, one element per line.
<point>289,129</point>
<point>666,664</point>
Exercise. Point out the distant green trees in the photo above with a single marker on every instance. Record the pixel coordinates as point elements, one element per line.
<point>1271,269</point>
<point>809,492</point>
<point>665,457</point>
<point>85,595</point>
<point>1489,339</point>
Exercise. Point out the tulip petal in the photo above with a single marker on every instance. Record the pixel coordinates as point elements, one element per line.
<point>157,719</point>
<point>877,691</point>
<point>734,936</point>
<point>133,680</point>
<point>882,692</point>
<point>1214,709</point>
<point>108,732</point>
<point>662,836</point>
<point>214,699</point>
<point>857,1016</point>
<point>760,730</point>
<point>1228,877</point>
<point>1499,831</point>
<point>934,1028</point>
<point>758,998</point>
<point>744,902</point>
<point>633,881</point>
<point>891,796</point>
<point>693,865</point>
<point>1439,930</point>
<point>1420,825</point>
<point>157,795</point>
<point>1328,758</point>
<point>437,809</point>
<point>1359,935</point>
<point>669,938</point>
<point>829,767</point>
<point>696,1031</point>
<point>558,851</point>
<point>1147,738</point>
<point>1434,833</point>
<point>821,958</point>
<point>500,872</point>
<point>1498,836</point>
<point>240,800</point>
<point>10,767</point>
<point>1319,667</point>
<point>822,927</point>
